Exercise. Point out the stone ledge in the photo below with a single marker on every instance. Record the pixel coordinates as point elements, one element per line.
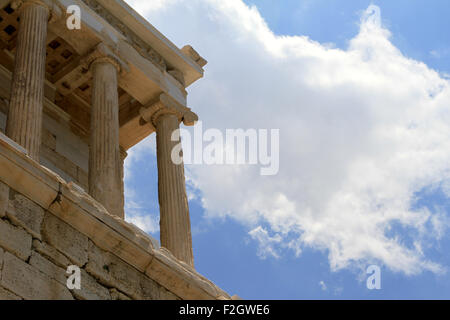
<point>73,206</point>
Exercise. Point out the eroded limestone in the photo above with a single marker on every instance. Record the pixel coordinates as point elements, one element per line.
<point>29,283</point>
<point>66,239</point>
<point>15,240</point>
<point>26,214</point>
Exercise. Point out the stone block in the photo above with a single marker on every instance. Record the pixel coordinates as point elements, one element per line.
<point>6,295</point>
<point>150,290</point>
<point>68,144</point>
<point>2,122</point>
<point>15,240</point>
<point>180,278</point>
<point>4,199</point>
<point>117,295</point>
<point>26,214</point>
<point>51,253</point>
<point>83,179</point>
<point>51,270</point>
<point>29,283</point>
<point>2,253</point>
<point>91,289</point>
<point>59,161</point>
<point>165,294</point>
<point>48,139</point>
<point>55,170</point>
<point>66,239</point>
<point>113,272</point>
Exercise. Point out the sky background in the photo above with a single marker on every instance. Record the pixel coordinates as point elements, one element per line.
<point>360,92</point>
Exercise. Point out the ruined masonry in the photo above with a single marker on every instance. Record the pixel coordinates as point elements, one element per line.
<point>72,102</point>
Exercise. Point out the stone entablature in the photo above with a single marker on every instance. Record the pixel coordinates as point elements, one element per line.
<point>149,41</point>
<point>47,224</point>
<point>143,48</point>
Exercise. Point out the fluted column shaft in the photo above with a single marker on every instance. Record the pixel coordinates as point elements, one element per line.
<point>123,156</point>
<point>104,159</point>
<point>27,91</point>
<point>175,226</point>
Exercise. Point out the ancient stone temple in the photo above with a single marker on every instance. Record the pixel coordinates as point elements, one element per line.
<point>75,95</point>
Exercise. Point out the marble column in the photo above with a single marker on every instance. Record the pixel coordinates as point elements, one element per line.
<point>175,225</point>
<point>165,116</point>
<point>27,89</point>
<point>104,158</point>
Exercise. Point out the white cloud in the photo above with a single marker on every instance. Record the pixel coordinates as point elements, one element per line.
<point>135,208</point>
<point>153,5</point>
<point>137,214</point>
<point>266,242</point>
<point>362,130</point>
<point>145,222</point>
<point>322,285</point>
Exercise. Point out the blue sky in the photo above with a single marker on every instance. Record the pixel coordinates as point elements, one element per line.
<point>418,27</point>
<point>404,179</point>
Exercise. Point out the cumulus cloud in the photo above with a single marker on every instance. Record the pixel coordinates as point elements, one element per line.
<point>154,5</point>
<point>362,131</point>
<point>266,242</point>
<point>138,215</point>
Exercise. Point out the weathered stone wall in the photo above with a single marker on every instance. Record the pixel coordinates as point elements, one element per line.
<point>3,113</point>
<point>47,224</point>
<point>2,122</point>
<point>36,248</point>
<point>62,151</point>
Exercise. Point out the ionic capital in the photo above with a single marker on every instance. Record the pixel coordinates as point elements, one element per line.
<point>167,105</point>
<point>55,12</point>
<point>102,53</point>
<point>123,153</point>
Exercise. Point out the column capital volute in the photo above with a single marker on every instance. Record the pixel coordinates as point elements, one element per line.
<point>55,11</point>
<point>167,105</point>
<point>103,53</point>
